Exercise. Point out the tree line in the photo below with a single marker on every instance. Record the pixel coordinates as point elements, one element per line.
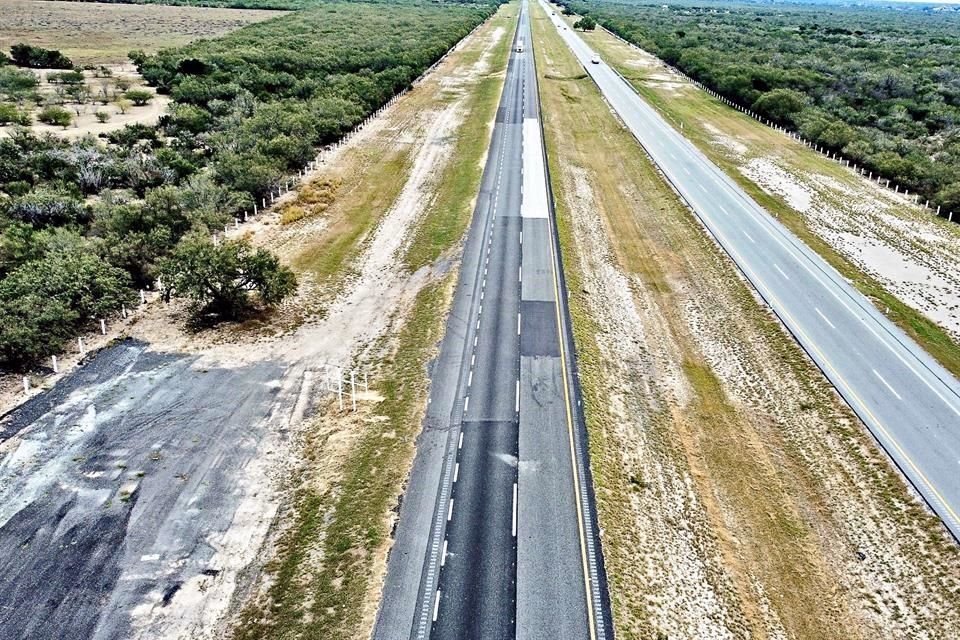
<point>881,86</point>
<point>84,224</point>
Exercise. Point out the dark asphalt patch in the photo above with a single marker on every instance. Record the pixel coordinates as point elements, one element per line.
<point>538,329</point>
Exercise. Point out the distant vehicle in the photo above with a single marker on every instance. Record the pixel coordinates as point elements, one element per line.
<point>595,59</point>
<point>520,46</point>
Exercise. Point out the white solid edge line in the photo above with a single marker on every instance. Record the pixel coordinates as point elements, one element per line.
<point>436,606</point>
<point>514,528</point>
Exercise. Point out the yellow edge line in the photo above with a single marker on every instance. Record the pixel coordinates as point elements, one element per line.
<point>812,346</point>
<point>573,452</point>
<point>591,615</point>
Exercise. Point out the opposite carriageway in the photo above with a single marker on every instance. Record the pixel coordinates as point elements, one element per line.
<point>908,401</point>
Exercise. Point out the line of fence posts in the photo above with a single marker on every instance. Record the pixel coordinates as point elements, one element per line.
<point>796,136</point>
<point>337,386</point>
<point>282,188</point>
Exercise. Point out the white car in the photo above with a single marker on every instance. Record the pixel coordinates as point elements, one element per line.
<point>595,59</point>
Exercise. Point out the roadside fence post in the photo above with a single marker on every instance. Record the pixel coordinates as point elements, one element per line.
<point>353,389</point>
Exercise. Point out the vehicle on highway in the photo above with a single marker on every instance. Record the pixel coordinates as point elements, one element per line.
<point>595,60</point>
<point>520,46</point>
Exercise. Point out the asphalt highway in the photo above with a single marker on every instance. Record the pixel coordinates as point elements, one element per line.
<point>910,403</point>
<point>497,536</point>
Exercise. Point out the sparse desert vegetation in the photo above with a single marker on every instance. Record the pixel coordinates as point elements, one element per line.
<point>738,494</point>
<point>91,33</point>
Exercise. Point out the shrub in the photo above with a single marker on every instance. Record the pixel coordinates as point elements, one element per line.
<point>25,55</point>
<point>66,77</point>
<point>33,327</point>
<point>291,213</point>
<point>43,302</point>
<point>42,208</point>
<point>219,279</point>
<point>55,115</point>
<point>138,97</point>
<point>10,114</point>
<point>16,84</point>
<point>101,116</point>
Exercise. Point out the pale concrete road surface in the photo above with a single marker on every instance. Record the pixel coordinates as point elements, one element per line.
<point>909,402</point>
<point>126,485</point>
<point>497,536</point>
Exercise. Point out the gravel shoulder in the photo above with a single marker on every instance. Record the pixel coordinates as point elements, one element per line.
<point>739,497</point>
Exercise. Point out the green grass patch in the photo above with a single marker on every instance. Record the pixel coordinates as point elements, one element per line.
<point>357,215</point>
<point>447,217</point>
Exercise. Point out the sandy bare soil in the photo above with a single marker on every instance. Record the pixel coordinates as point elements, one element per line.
<point>101,33</point>
<point>155,473</point>
<point>915,255</point>
<point>739,496</point>
<point>104,95</point>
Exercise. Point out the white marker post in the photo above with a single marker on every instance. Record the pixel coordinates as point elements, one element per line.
<point>103,327</point>
<point>83,351</point>
<point>340,387</point>
<point>26,384</point>
<point>56,367</point>
<point>353,389</point>
<point>143,297</point>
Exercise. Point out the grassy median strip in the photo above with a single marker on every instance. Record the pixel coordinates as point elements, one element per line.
<point>698,111</point>
<point>448,215</point>
<point>770,551</point>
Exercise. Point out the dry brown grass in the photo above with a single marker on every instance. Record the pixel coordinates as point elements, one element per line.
<point>95,33</point>
<point>735,489</point>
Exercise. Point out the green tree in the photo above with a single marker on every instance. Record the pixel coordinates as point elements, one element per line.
<point>780,104</point>
<point>220,279</point>
<point>138,97</point>
<point>585,23</point>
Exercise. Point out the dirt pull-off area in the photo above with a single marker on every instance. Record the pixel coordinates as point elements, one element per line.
<point>739,497</point>
<point>143,495</point>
